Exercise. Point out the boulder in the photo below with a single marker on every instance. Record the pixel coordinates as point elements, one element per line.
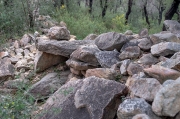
<point>124,66</point>
<point>75,71</point>
<point>143,33</point>
<point>165,48</point>
<point>71,101</point>
<point>134,68</point>
<point>59,33</point>
<point>44,61</point>
<point>107,58</point>
<point>3,54</point>
<point>131,107</point>
<point>128,32</point>
<point>78,65</point>
<point>6,69</point>
<point>131,52</point>
<point>91,37</point>
<point>145,44</point>
<point>161,73</point>
<point>148,59</point>
<point>110,41</point>
<point>48,84</point>
<point>102,92</point>
<point>25,40</point>
<point>63,48</point>
<point>86,53</point>
<point>167,100</point>
<point>173,26</point>
<point>105,73</point>
<point>164,37</point>
<point>129,43</point>
<point>172,64</point>
<point>145,88</point>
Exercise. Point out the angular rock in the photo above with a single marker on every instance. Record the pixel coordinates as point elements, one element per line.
<point>131,52</point>
<point>130,43</point>
<point>145,88</point>
<point>48,84</point>
<point>105,73</point>
<point>102,92</point>
<point>148,59</point>
<point>134,68</point>
<point>173,26</point>
<point>161,73</point>
<point>63,48</point>
<point>164,37</point>
<point>3,54</point>
<point>91,37</point>
<point>59,33</point>
<point>6,69</point>
<point>86,54</point>
<point>124,66</point>
<point>168,82</point>
<point>167,100</point>
<point>141,116</point>
<point>132,107</point>
<point>14,60</point>
<point>78,65</point>
<point>107,58</point>
<point>144,33</point>
<point>110,41</point>
<point>15,84</point>
<point>165,48</point>
<point>128,32</point>
<point>25,40</point>
<point>172,64</point>
<point>21,64</point>
<point>145,44</point>
<point>75,71</point>
<point>45,60</point>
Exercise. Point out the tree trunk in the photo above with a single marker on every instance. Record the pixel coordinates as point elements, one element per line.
<point>90,6</point>
<point>146,15</point>
<point>160,14</point>
<point>104,8</point>
<point>129,11</point>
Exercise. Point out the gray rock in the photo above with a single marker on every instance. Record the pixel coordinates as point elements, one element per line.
<point>161,73</point>
<point>44,61</point>
<point>110,41</point>
<point>141,116</point>
<point>102,92</point>
<point>177,116</point>
<point>124,66</point>
<point>148,59</point>
<point>144,33</point>
<point>165,48</point>
<point>91,37</point>
<point>105,73</point>
<point>145,44</point>
<point>133,42</point>
<point>172,64</point>
<point>75,71</point>
<point>173,26</point>
<point>131,52</point>
<point>6,69</point>
<point>59,33</point>
<point>145,88</point>
<point>48,84</point>
<point>168,82</point>
<point>63,48</point>
<point>25,40</point>
<point>107,58</point>
<point>15,84</point>
<point>167,100</point>
<point>3,54</point>
<point>86,54</point>
<point>132,107</point>
<point>134,68</point>
<point>128,32</point>
<point>164,37</point>
<point>78,65</point>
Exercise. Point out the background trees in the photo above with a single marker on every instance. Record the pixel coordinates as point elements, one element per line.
<point>17,16</point>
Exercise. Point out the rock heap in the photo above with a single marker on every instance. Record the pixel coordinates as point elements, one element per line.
<point>109,76</point>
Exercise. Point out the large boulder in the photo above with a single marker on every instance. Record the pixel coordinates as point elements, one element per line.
<point>172,26</point>
<point>164,37</point>
<point>161,73</point>
<point>167,100</point>
<point>48,84</point>
<point>110,41</point>
<point>107,58</point>
<point>6,69</point>
<point>59,33</point>
<point>145,88</point>
<point>132,107</point>
<point>63,48</point>
<point>106,73</point>
<point>86,54</point>
<point>44,61</point>
<point>165,48</point>
<point>72,100</point>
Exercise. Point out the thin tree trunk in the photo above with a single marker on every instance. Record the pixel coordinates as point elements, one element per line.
<point>104,8</point>
<point>129,11</point>
<point>90,6</point>
<point>146,15</point>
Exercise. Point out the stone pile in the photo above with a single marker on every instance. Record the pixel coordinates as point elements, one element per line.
<point>110,76</point>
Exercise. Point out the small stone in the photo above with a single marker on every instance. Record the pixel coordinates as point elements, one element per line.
<point>134,68</point>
